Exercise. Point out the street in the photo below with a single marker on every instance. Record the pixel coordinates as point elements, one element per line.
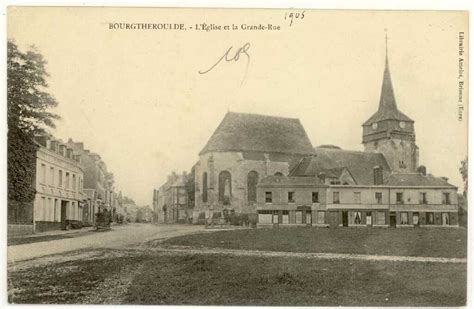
<point>120,236</point>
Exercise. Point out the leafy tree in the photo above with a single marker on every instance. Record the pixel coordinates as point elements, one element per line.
<point>464,170</point>
<point>28,102</point>
<point>28,115</point>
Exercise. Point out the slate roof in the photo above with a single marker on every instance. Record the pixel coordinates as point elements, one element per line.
<point>259,133</point>
<point>289,180</point>
<point>416,179</point>
<point>387,105</point>
<point>360,164</point>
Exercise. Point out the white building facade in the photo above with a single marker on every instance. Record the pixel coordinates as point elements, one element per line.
<point>59,194</point>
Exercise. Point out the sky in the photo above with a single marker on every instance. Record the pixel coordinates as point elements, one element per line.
<point>136,97</point>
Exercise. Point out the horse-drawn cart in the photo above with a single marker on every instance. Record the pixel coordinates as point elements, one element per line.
<point>103,220</point>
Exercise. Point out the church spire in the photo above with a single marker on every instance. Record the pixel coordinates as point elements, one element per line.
<point>388,109</point>
<point>387,101</point>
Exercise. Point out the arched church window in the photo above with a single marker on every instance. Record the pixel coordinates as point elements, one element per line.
<point>225,187</point>
<point>252,180</point>
<point>204,187</point>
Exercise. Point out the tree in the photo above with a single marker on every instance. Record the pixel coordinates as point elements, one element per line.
<point>28,115</point>
<point>462,199</point>
<point>28,103</point>
<point>464,171</point>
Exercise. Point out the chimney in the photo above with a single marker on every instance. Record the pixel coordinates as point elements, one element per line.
<point>378,175</point>
<point>322,177</point>
<point>422,170</point>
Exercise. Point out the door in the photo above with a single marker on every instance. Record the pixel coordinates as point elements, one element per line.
<point>345,219</point>
<point>63,214</point>
<point>393,219</point>
<point>416,219</point>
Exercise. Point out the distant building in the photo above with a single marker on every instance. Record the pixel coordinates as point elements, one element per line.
<point>144,214</point>
<point>97,180</point>
<point>171,203</point>
<point>59,198</point>
<point>381,186</point>
<point>244,149</point>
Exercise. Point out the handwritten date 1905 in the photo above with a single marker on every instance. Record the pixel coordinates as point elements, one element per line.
<point>294,15</point>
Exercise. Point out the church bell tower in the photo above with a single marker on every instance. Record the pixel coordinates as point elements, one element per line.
<point>389,131</point>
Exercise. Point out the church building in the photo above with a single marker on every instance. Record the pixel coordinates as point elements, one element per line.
<point>244,149</point>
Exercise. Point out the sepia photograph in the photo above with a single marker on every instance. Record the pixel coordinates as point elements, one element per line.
<point>237,157</point>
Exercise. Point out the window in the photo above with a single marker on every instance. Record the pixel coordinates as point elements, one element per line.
<point>446,198</point>
<point>445,217</point>
<point>265,217</point>
<point>51,176</point>
<point>357,197</point>
<point>40,211</point>
<point>299,217</point>
<point>320,217</point>
<point>378,197</point>
<point>315,197</point>
<point>355,217</point>
<point>335,197</point>
<point>368,218</point>
<point>268,197</point>
<point>291,197</point>
<point>275,216</point>
<point>43,173</point>
<point>60,178</point>
<point>416,218</point>
<point>225,187</point>
<point>56,207</point>
<point>399,198</point>
<point>49,212</point>
<point>67,181</point>
<point>204,187</point>
<point>380,218</point>
<point>430,218</point>
<point>252,180</point>
<point>423,199</point>
<point>278,174</point>
<point>404,218</point>
<point>285,217</point>
<point>73,182</point>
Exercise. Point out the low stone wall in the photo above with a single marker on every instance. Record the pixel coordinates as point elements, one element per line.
<point>43,226</point>
<point>19,229</point>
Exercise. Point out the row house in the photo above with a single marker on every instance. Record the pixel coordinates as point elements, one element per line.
<point>412,200</point>
<point>384,185</point>
<point>59,200</point>
<point>171,203</point>
<point>98,182</point>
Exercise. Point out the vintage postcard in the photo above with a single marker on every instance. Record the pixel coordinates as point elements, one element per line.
<point>264,157</point>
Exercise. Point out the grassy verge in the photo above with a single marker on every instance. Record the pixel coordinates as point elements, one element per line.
<point>409,242</point>
<point>227,280</point>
